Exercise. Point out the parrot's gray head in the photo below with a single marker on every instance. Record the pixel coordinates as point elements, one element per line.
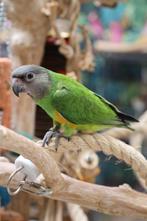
<point>31,79</point>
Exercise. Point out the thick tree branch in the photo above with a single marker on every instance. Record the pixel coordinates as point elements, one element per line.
<point>110,200</point>
<point>19,144</point>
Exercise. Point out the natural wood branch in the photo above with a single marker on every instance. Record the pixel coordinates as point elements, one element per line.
<point>27,38</point>
<point>108,3</point>
<point>98,142</point>
<point>28,32</point>
<point>19,144</point>
<point>106,46</point>
<point>110,200</point>
<point>76,213</point>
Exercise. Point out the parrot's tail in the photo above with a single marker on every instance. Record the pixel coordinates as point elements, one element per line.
<point>126,118</point>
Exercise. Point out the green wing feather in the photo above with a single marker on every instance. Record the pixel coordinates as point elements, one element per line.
<point>81,106</point>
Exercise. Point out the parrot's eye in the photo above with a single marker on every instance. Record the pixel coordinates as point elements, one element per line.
<point>29,76</point>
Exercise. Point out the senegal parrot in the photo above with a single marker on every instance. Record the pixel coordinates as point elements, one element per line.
<point>72,106</point>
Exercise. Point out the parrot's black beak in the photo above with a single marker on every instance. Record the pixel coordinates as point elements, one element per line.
<point>16,90</point>
<point>17,86</point>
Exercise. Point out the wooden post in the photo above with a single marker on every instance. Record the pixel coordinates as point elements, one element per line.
<point>5,97</point>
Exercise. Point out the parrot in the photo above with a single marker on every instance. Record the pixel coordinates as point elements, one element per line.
<point>72,106</point>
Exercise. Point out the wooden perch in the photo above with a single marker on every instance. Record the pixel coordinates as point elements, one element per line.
<point>123,47</point>
<point>108,3</point>
<point>109,200</point>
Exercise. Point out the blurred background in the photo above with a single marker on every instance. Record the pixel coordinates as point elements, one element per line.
<point>103,44</point>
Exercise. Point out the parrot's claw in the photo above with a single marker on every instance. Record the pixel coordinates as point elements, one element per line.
<point>49,135</point>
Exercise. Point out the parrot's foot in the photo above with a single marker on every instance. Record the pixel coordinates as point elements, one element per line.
<point>49,135</point>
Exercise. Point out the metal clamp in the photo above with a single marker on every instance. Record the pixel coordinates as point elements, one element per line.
<point>25,185</point>
<point>41,190</point>
<point>20,186</point>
